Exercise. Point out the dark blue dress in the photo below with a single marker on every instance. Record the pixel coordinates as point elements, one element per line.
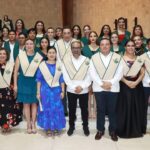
<point>52,117</point>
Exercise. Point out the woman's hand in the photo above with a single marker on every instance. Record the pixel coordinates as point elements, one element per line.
<point>15,90</point>
<point>38,96</point>
<point>62,95</point>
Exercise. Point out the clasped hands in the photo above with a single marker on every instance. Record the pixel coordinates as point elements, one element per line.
<point>106,85</point>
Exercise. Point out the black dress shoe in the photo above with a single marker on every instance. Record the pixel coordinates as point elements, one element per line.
<point>114,137</point>
<point>99,135</point>
<point>70,131</point>
<point>86,131</point>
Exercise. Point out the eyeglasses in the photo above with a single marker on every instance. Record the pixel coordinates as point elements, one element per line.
<point>76,48</point>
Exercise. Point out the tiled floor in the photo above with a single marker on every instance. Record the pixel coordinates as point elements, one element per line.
<point>18,139</point>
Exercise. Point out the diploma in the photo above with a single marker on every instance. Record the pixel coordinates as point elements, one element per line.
<point>40,105</point>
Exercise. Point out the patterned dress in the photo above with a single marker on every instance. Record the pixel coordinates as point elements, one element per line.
<point>52,117</point>
<point>10,110</point>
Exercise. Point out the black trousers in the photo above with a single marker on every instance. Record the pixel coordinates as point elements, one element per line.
<point>72,104</point>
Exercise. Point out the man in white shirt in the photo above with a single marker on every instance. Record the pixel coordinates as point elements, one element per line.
<point>106,72</point>
<point>146,84</point>
<point>63,47</point>
<point>51,35</point>
<point>77,79</point>
<point>12,46</point>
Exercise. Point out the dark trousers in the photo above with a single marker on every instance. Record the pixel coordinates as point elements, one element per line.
<point>64,101</point>
<point>147,94</point>
<point>72,104</point>
<point>106,101</point>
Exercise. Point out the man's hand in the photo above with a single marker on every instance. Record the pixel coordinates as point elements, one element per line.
<point>78,89</point>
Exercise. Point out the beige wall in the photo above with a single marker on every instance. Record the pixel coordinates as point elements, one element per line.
<point>100,12</point>
<point>30,11</point>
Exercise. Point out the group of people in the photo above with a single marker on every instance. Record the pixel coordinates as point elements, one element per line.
<point>40,72</point>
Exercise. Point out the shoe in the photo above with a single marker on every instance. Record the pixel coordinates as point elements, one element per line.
<point>86,131</point>
<point>114,136</point>
<point>70,131</point>
<point>99,135</point>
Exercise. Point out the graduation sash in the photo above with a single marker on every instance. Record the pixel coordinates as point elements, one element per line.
<point>135,68</point>
<point>5,79</point>
<point>29,69</point>
<point>146,59</point>
<point>73,73</point>
<point>52,81</point>
<point>62,50</point>
<point>106,73</point>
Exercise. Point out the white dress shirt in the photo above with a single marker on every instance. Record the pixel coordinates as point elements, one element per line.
<point>146,79</point>
<point>72,84</point>
<point>52,42</point>
<point>98,82</point>
<point>11,52</point>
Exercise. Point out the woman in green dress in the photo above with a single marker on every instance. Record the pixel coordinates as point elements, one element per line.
<point>26,65</point>
<point>40,31</point>
<point>89,51</point>
<point>116,47</point>
<point>76,32</point>
<point>86,30</point>
<point>122,32</point>
<point>105,32</point>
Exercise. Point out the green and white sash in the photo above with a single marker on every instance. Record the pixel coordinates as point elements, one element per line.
<point>52,81</point>
<point>29,69</point>
<point>73,73</point>
<point>135,68</point>
<point>5,79</point>
<point>106,73</point>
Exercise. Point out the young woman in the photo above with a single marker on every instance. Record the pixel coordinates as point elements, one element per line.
<point>139,46</point>
<point>44,44</point>
<point>138,31</point>
<point>130,102</point>
<point>105,32</point>
<point>20,27</point>
<point>10,110</point>
<point>51,36</point>
<point>50,92</point>
<point>86,31</point>
<point>58,33</point>
<point>116,47</point>
<point>89,51</point>
<point>26,66</point>
<point>123,34</point>
<point>5,32</point>
<point>40,31</point>
<point>76,32</point>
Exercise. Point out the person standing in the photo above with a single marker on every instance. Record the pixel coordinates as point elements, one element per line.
<point>106,71</point>
<point>76,76</point>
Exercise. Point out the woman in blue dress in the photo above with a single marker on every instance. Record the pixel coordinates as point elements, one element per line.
<point>50,92</point>
<point>26,66</point>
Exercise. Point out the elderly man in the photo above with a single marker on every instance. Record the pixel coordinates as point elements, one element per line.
<point>76,76</point>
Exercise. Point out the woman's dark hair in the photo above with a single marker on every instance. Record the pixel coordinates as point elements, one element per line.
<point>51,47</point>
<point>137,26</point>
<point>46,40</point>
<point>80,32</point>
<point>58,28</point>
<point>96,35</point>
<point>35,27</point>
<point>102,33</point>
<point>7,53</point>
<point>129,41</point>
<point>23,25</point>
<point>121,18</point>
<point>87,26</point>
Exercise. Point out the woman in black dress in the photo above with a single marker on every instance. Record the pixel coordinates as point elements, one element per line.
<point>130,103</point>
<point>10,110</point>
